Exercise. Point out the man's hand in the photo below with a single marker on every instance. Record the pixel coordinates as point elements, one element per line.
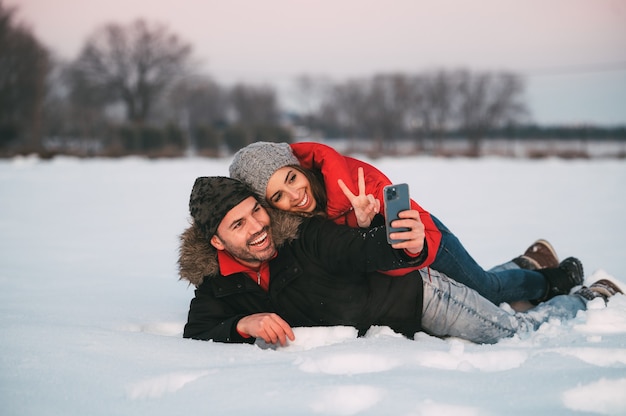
<point>414,238</point>
<point>365,206</point>
<point>269,326</point>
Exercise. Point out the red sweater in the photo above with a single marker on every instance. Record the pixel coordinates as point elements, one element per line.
<point>334,166</point>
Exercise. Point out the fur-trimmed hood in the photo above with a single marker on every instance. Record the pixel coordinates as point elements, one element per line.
<point>198,258</point>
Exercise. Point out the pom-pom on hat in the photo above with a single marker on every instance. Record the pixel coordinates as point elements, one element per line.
<point>211,199</point>
<point>255,164</point>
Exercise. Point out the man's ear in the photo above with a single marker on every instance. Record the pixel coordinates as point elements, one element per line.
<point>217,243</point>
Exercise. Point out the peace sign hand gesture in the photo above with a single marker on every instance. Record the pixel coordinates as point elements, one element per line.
<point>365,206</point>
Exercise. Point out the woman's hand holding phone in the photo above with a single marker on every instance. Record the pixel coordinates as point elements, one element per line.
<point>411,240</point>
<point>404,226</point>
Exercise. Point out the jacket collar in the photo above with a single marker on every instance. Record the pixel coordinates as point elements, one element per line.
<point>198,258</point>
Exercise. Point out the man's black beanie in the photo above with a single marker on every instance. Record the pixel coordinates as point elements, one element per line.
<point>211,199</point>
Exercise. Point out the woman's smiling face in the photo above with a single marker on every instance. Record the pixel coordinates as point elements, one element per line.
<point>288,189</point>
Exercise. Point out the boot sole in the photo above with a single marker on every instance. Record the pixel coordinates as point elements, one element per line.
<point>579,268</point>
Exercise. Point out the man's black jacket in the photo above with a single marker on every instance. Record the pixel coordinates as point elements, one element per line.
<point>324,274</point>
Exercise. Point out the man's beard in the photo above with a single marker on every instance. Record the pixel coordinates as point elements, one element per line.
<point>245,254</point>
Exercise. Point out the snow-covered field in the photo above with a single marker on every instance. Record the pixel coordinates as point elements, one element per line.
<point>91,311</point>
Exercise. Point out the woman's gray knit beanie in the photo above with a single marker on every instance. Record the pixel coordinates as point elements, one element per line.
<point>255,164</point>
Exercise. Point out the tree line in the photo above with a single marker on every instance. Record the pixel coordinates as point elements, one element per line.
<point>134,89</point>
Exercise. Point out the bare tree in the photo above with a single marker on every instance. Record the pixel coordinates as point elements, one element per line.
<point>387,107</point>
<point>347,104</point>
<point>257,116</point>
<point>254,105</point>
<point>435,96</point>
<point>24,65</point>
<point>487,101</point>
<point>84,107</point>
<point>201,106</point>
<point>134,64</point>
<point>430,104</point>
<point>201,98</point>
<point>73,120</point>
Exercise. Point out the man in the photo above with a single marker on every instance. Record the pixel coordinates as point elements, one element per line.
<point>258,277</point>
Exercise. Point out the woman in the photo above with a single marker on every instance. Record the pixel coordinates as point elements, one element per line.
<point>312,178</point>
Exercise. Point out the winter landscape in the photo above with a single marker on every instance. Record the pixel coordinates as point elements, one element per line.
<point>92,312</point>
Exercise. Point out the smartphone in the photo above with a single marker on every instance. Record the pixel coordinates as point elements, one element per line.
<point>396,199</point>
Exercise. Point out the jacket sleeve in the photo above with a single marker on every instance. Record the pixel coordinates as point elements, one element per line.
<point>345,249</point>
<point>375,182</point>
<point>211,319</point>
<point>335,166</point>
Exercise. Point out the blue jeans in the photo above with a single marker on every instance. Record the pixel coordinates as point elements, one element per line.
<point>453,309</point>
<point>497,285</point>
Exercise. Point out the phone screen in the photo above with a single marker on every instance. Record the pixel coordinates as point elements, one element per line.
<point>396,199</point>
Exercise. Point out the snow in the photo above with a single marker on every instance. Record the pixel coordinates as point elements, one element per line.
<point>91,309</point>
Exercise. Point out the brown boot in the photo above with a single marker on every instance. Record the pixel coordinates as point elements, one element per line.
<point>601,289</point>
<point>540,255</point>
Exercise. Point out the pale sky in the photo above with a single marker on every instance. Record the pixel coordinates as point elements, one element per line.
<point>572,51</point>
